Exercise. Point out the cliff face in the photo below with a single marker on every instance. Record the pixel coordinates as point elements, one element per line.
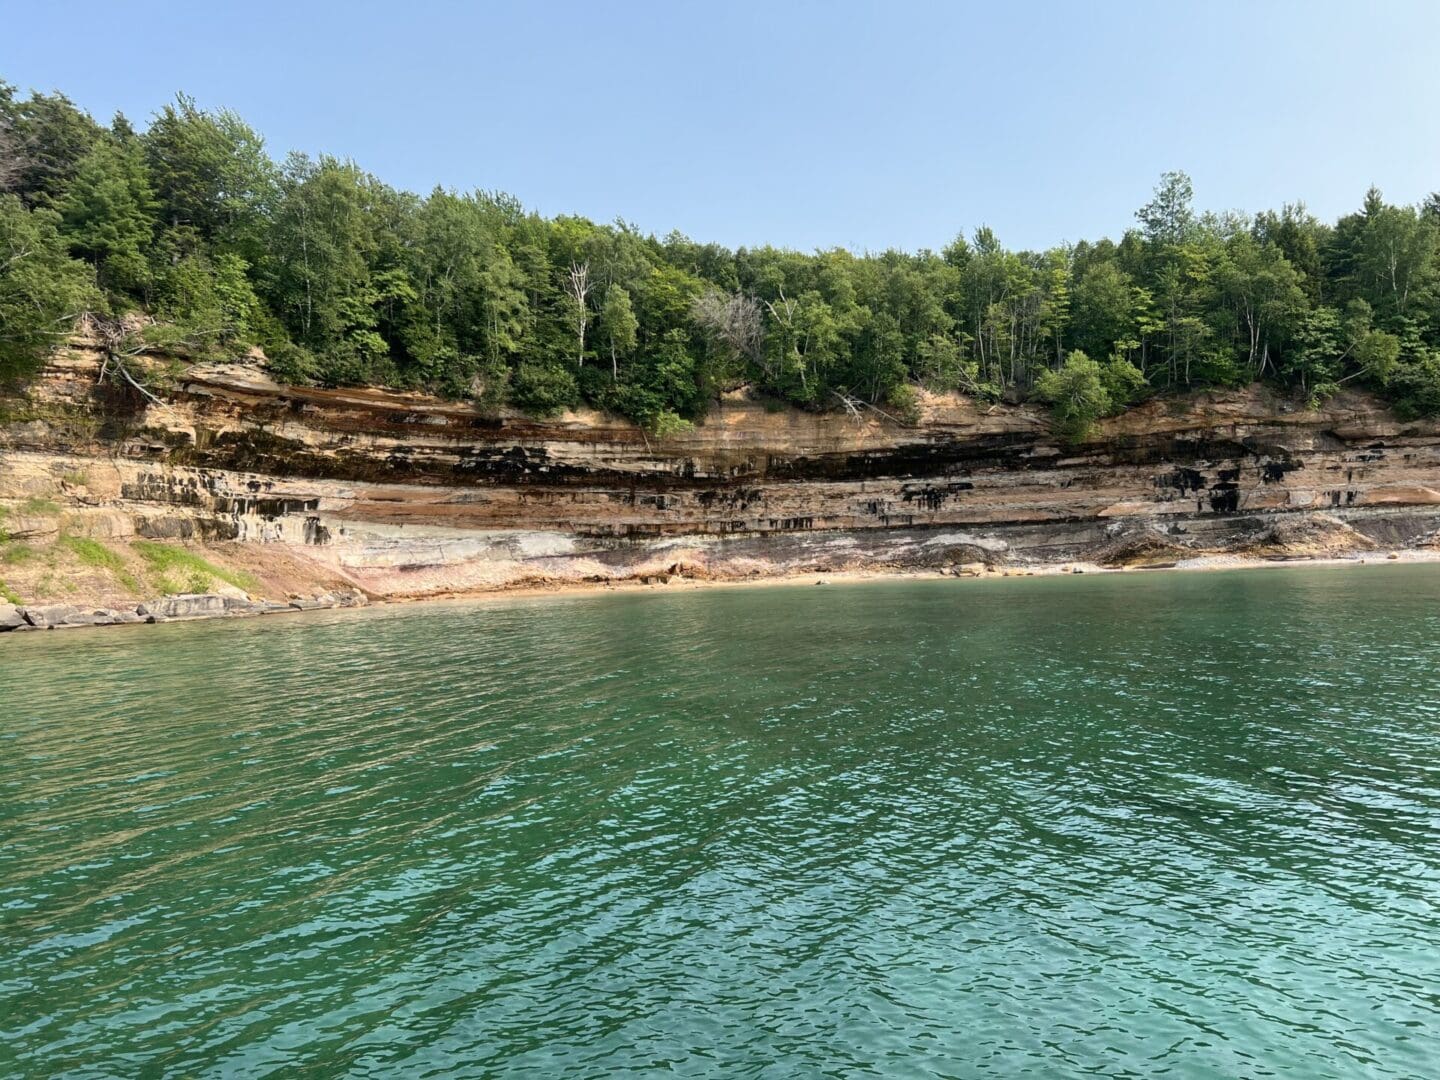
<point>403,495</point>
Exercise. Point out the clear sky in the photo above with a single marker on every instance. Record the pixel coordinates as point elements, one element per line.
<point>804,124</point>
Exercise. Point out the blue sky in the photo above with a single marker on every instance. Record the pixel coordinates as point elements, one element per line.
<point>804,124</point>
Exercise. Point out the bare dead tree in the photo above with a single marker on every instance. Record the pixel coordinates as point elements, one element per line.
<point>854,404</point>
<point>850,402</point>
<point>734,320</point>
<point>120,345</point>
<point>577,285</point>
<point>784,312</point>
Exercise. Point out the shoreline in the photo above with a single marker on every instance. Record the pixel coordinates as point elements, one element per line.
<point>677,583</point>
<point>1078,567</point>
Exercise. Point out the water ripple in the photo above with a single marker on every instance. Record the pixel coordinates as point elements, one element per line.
<point>1167,826</point>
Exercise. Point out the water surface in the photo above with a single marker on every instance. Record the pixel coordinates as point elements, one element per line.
<point>1170,825</point>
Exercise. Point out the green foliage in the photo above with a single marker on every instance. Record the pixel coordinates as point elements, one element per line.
<point>94,553</point>
<point>108,215</point>
<point>164,560</point>
<point>904,404</point>
<point>1104,307</point>
<point>666,425</point>
<point>544,389</point>
<point>1377,354</point>
<point>661,389</point>
<point>1077,394</point>
<point>619,324</point>
<point>1415,386</point>
<point>211,174</point>
<point>342,279</point>
<point>46,137</point>
<point>13,553</point>
<point>1167,218</point>
<point>1124,383</point>
<point>318,265</point>
<point>42,290</point>
<point>290,363</point>
<point>210,298</point>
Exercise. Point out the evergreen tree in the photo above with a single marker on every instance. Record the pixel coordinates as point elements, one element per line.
<point>108,215</point>
<point>42,290</point>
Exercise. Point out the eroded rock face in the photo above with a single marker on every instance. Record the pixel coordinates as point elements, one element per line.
<point>401,494</point>
<point>49,616</point>
<point>64,616</point>
<point>185,606</point>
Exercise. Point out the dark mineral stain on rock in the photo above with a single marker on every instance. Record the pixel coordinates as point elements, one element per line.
<point>1225,498</point>
<point>1183,479</point>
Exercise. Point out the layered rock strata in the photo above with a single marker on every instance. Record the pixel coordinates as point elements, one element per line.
<point>400,495</point>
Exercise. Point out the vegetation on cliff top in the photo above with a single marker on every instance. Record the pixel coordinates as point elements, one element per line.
<point>342,279</point>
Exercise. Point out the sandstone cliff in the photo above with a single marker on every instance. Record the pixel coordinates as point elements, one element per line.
<point>279,491</point>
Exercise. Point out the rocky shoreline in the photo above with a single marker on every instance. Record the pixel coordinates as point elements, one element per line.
<point>186,606</point>
<point>206,606</point>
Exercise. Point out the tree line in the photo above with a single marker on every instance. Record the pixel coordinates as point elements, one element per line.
<point>342,279</point>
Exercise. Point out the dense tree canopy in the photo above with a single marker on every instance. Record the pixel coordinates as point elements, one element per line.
<point>41,288</point>
<point>343,279</point>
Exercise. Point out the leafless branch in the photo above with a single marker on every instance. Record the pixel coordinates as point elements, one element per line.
<point>577,284</point>
<point>119,345</point>
<point>734,320</point>
<point>131,380</point>
<point>854,404</point>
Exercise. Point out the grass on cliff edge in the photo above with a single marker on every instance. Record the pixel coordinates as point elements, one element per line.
<point>164,560</point>
<point>93,553</point>
<point>14,552</point>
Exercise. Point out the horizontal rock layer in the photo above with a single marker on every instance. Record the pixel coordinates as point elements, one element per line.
<point>401,494</point>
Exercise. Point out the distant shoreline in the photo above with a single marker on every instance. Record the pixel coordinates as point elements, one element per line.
<point>677,583</point>
<point>846,577</point>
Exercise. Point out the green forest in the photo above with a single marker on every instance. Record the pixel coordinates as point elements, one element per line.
<point>341,279</point>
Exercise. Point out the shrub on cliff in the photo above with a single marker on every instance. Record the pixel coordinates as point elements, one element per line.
<point>291,363</point>
<point>1123,381</point>
<point>1076,394</point>
<point>904,404</point>
<point>544,389</point>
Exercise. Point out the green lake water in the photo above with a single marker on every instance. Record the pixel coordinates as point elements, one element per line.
<point>1180,825</point>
